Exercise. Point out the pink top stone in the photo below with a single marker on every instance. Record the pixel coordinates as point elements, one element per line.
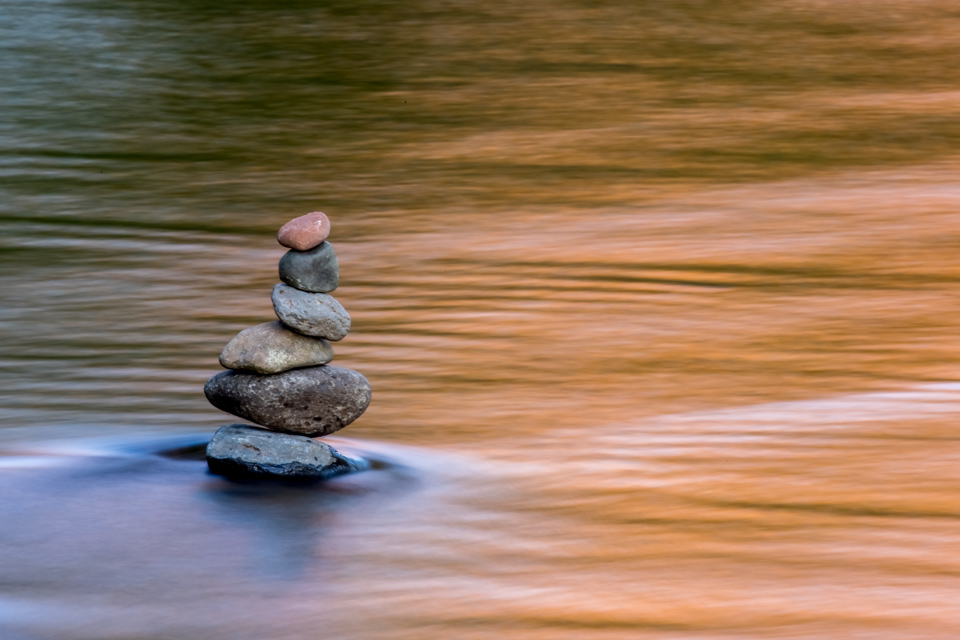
<point>305,232</point>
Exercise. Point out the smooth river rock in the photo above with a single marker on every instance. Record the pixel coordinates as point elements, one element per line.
<point>312,314</point>
<point>305,232</point>
<point>315,401</point>
<point>271,348</point>
<point>242,451</point>
<point>316,270</point>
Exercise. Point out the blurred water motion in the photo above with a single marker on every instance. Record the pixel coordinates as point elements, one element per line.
<point>658,301</point>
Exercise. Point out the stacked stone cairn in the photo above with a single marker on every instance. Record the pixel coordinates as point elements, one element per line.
<point>278,376</point>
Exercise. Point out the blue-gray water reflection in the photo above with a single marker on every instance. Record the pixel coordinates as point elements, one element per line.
<point>658,301</point>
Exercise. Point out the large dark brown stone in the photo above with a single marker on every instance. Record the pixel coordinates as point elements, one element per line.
<point>313,401</point>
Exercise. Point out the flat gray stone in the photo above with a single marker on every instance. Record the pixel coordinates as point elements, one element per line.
<point>315,270</point>
<point>312,314</point>
<point>314,401</point>
<point>271,348</point>
<point>242,451</point>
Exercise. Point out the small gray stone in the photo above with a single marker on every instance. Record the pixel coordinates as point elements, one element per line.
<point>315,270</point>
<point>239,450</point>
<point>314,401</point>
<point>312,314</point>
<point>271,348</point>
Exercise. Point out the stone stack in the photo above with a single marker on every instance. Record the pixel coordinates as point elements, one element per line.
<point>278,376</point>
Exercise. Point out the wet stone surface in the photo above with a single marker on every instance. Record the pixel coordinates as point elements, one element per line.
<point>243,451</point>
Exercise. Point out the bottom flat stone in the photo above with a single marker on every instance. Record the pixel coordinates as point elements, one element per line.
<point>243,451</point>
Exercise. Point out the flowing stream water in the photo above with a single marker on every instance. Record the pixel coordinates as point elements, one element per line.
<point>659,300</point>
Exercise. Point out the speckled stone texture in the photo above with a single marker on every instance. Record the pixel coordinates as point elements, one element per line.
<point>315,401</point>
<point>316,270</point>
<point>305,232</point>
<point>242,451</point>
<point>272,348</point>
<point>312,314</point>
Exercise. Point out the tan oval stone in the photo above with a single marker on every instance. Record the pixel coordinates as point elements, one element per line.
<point>271,348</point>
<point>305,232</point>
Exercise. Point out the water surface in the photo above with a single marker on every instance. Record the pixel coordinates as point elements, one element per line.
<point>658,301</point>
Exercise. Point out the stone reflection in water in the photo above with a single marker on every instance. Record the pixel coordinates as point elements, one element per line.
<point>282,526</point>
